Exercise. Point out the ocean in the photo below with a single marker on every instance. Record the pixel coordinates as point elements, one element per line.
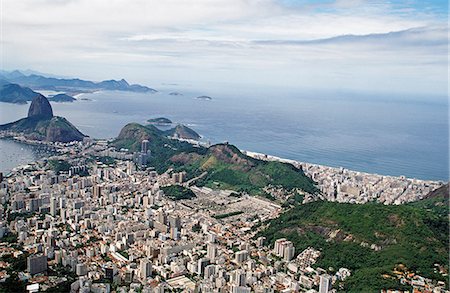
<point>379,134</point>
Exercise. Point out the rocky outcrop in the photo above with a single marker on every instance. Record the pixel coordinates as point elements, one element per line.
<point>42,125</point>
<point>40,108</point>
<point>184,132</point>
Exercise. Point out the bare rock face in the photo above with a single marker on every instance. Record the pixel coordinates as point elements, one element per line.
<point>40,107</point>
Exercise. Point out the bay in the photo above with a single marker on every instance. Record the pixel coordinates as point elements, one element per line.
<point>399,135</point>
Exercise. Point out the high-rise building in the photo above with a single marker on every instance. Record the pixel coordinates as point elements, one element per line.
<point>210,270</point>
<point>174,233</point>
<point>284,248</point>
<point>53,206</point>
<point>37,264</point>
<point>277,249</point>
<point>211,251</point>
<point>128,278</point>
<point>241,256</point>
<point>96,191</point>
<point>110,273</point>
<point>260,241</point>
<point>145,268</point>
<point>238,278</point>
<point>81,269</point>
<point>201,265</point>
<point>325,284</point>
<point>174,221</point>
<point>161,217</point>
<point>144,146</point>
<point>289,251</point>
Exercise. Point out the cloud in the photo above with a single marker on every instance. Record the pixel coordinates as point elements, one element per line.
<point>337,43</point>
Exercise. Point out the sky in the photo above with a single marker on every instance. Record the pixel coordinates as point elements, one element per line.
<point>398,47</point>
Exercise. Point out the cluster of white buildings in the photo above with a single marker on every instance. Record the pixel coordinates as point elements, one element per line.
<point>347,186</point>
<point>115,229</point>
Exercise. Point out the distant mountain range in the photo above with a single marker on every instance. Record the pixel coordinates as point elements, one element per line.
<point>17,87</point>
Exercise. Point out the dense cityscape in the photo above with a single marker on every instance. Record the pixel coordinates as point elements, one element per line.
<point>112,224</point>
<point>225,146</point>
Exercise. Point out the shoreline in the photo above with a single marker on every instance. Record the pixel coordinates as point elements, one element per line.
<point>17,137</point>
<point>267,157</point>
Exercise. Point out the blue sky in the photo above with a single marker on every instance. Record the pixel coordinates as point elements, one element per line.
<point>388,46</point>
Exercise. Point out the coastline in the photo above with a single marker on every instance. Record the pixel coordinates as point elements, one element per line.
<point>18,137</point>
<point>335,183</point>
<point>296,163</point>
<point>349,186</point>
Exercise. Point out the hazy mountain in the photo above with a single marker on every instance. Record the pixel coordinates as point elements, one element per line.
<point>37,81</point>
<point>14,93</point>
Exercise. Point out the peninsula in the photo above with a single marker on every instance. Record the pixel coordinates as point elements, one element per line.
<point>40,124</point>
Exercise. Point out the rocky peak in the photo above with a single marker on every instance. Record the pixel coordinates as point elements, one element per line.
<point>40,107</point>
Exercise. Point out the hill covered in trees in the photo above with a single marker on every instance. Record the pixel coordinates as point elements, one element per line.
<point>369,239</point>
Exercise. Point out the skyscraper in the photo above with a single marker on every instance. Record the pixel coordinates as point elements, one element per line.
<point>37,264</point>
<point>201,265</point>
<point>96,191</point>
<point>144,146</point>
<point>325,284</point>
<point>241,256</point>
<point>146,268</point>
<point>211,251</point>
<point>53,206</point>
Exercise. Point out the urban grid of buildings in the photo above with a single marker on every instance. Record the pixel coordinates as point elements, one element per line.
<point>115,229</point>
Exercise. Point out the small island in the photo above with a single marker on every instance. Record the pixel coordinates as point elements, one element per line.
<point>175,94</point>
<point>62,98</point>
<point>205,98</point>
<point>159,121</point>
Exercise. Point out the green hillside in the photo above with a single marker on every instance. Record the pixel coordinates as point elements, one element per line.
<point>408,235</point>
<point>228,168</point>
<point>225,165</point>
<point>162,148</point>
<point>55,129</point>
<point>437,201</point>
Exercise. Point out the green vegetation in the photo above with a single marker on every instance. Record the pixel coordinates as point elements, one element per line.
<point>226,166</point>
<point>437,201</point>
<point>196,228</point>
<point>223,216</point>
<point>17,264</point>
<point>162,148</point>
<point>56,129</point>
<point>124,254</point>
<point>59,166</point>
<point>60,98</point>
<point>408,235</point>
<point>182,131</point>
<point>10,238</point>
<point>64,286</point>
<point>177,192</point>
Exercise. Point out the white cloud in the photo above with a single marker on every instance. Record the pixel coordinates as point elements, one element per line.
<point>256,41</point>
